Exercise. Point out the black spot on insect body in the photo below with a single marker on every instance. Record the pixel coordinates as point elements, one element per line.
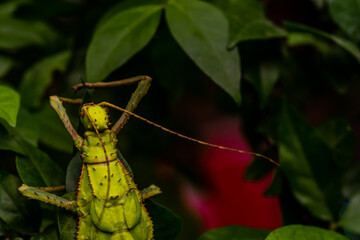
<point>112,175</point>
<point>94,169</point>
<point>119,180</point>
<point>105,176</point>
<point>101,184</point>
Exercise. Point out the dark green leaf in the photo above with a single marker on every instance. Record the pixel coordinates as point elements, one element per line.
<point>202,32</point>
<point>346,14</point>
<point>350,220</point>
<point>308,166</point>
<point>300,232</point>
<point>296,39</point>
<point>49,234</point>
<point>67,222</point>
<point>345,44</point>
<point>234,233</point>
<point>5,65</point>
<point>340,139</point>
<point>276,185</point>
<point>8,142</point>
<point>15,210</point>
<point>52,131</point>
<point>257,169</point>
<point>264,80</point>
<point>247,21</point>
<point>9,7</point>
<point>119,38</point>
<point>73,173</point>
<point>39,77</point>
<point>16,33</point>
<point>27,127</point>
<point>37,169</point>
<point>9,105</point>
<point>167,225</point>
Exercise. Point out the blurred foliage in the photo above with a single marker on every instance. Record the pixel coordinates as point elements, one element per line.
<point>289,69</point>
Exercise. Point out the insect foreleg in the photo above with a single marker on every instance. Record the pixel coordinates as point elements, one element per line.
<point>60,110</point>
<point>44,196</point>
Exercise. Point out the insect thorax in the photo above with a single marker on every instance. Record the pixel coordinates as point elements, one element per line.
<point>99,150</point>
<point>91,115</point>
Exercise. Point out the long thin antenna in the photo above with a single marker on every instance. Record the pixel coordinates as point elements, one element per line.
<point>189,138</point>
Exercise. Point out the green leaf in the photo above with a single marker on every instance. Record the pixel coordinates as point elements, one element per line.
<point>8,8</point>
<point>27,127</point>
<point>49,234</point>
<point>264,80</point>
<point>202,32</point>
<point>73,173</point>
<point>15,210</point>
<point>39,76</point>
<point>234,232</point>
<point>52,132</point>
<point>247,21</point>
<point>37,169</point>
<point>300,232</point>
<point>313,176</point>
<point>5,65</point>
<point>9,143</point>
<point>337,135</point>
<point>119,38</point>
<point>350,220</point>
<point>16,33</point>
<point>9,105</point>
<point>67,222</point>
<point>346,14</point>
<point>345,44</point>
<point>167,225</point>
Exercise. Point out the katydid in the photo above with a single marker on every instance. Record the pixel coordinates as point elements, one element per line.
<point>108,202</point>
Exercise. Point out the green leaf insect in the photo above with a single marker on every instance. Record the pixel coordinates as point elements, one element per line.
<point>108,202</point>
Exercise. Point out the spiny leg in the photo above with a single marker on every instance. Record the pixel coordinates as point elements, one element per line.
<point>55,102</point>
<point>141,90</point>
<point>150,191</point>
<point>44,196</point>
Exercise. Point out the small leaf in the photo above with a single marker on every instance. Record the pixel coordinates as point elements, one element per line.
<point>9,105</point>
<point>345,44</point>
<point>73,173</point>
<point>15,210</point>
<point>337,135</point>
<point>37,169</point>
<point>346,14</point>
<point>5,65</point>
<point>167,225</point>
<point>308,166</point>
<point>247,21</point>
<point>39,76</point>
<point>300,232</point>
<point>235,232</point>
<point>350,220</point>
<point>202,32</point>
<point>119,38</point>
